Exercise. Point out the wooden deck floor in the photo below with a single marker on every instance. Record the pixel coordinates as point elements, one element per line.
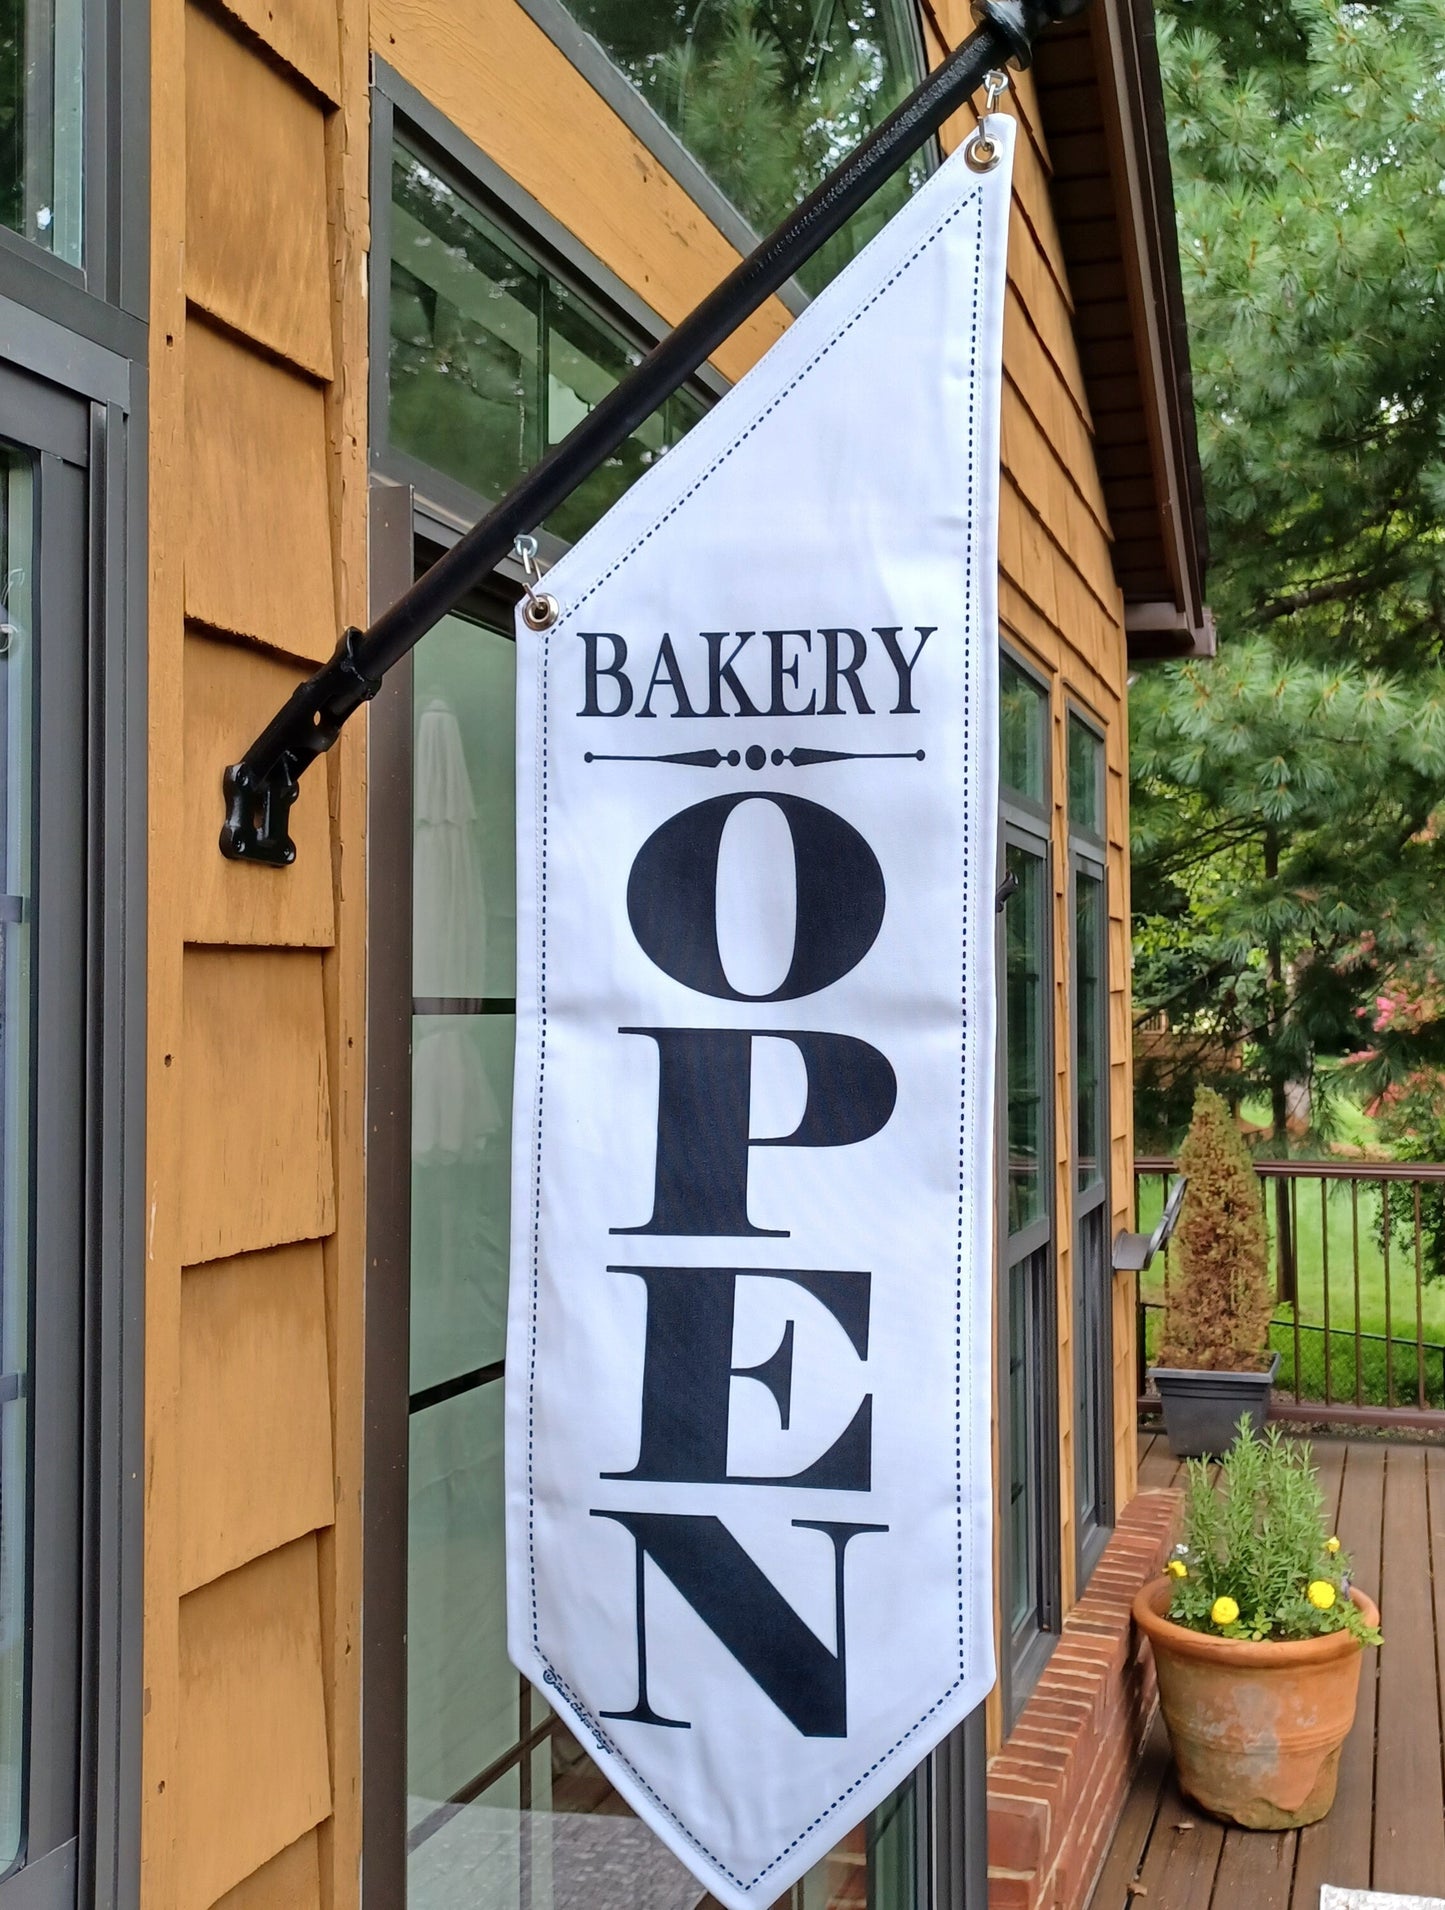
<point>1387,1829</point>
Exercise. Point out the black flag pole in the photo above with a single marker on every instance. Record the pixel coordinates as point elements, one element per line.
<point>262,787</point>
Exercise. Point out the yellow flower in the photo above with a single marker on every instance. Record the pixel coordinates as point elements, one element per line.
<point>1321,1594</point>
<point>1224,1611</point>
<point>1176,1568</point>
<point>1332,1546</point>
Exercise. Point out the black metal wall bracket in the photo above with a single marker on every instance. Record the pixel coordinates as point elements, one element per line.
<point>263,786</point>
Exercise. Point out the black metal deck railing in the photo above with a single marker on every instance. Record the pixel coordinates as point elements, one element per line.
<point>1357,1253</point>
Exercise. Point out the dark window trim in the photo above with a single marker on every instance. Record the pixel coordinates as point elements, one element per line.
<point>103,750</point>
<point>1029,824</point>
<point>84,335</point>
<point>388,1232</point>
<point>1088,851</point>
<point>1022,1659</point>
<point>115,162</point>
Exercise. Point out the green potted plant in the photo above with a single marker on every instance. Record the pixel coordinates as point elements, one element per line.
<point>1257,1635</point>
<point>1214,1357</point>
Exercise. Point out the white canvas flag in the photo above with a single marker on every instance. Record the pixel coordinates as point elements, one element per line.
<point>748,1357</point>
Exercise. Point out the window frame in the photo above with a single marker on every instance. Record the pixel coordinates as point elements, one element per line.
<point>1026,823</point>
<point>88,864</point>
<point>1093,1386</point>
<point>105,295</point>
<point>75,341</point>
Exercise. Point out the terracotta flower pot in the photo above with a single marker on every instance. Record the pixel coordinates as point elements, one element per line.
<point>1256,1729</point>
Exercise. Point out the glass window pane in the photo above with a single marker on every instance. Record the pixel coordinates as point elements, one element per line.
<point>464,942</point>
<point>493,360</point>
<point>1025,1006</point>
<point>1093,1363</point>
<point>464,873</point>
<point>460,1193</point>
<point>466,340</point>
<point>1086,778</point>
<point>1022,1508</point>
<point>17,546</point>
<point>462,1693</point>
<point>1023,732</point>
<point>770,98</point>
<point>41,122</point>
<point>1090,1082</point>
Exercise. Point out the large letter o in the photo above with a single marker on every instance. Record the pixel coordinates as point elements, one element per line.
<point>672,896</point>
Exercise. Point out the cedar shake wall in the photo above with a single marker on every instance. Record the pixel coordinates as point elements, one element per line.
<point>254,1274</point>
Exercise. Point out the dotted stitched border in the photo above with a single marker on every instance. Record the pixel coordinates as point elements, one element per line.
<point>552,1677</point>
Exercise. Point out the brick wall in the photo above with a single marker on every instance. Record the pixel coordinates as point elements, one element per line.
<point>1057,1787</point>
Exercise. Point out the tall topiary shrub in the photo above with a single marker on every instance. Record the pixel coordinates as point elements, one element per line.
<point>1220,1298</point>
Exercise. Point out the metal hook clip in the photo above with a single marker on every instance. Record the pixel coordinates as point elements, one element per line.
<point>541,610</point>
<point>980,152</point>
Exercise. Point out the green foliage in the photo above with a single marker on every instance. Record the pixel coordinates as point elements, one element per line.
<point>1307,168</point>
<point>1411,1119</point>
<point>769,95</point>
<point>1284,858</point>
<point>1284,799</point>
<point>1258,1538</point>
<point>1219,1303</point>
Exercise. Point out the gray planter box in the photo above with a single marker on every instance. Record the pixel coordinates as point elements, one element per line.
<point>1202,1411</point>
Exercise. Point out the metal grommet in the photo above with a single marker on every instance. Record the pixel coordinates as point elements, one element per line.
<point>980,154</point>
<point>540,611</point>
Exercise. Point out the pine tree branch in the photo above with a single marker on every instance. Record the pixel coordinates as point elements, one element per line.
<point>1339,590</point>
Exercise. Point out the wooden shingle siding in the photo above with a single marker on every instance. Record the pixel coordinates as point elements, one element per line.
<point>255,1010</point>
<point>255,198</point>
<point>255,1420</point>
<point>258,507</point>
<point>303,33</point>
<point>257,1103</point>
<point>252,1766</point>
<point>291,1881</point>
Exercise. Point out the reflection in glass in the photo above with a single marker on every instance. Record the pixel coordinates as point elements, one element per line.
<point>463,978</point>
<point>1023,731</point>
<point>461,1691</point>
<point>1086,778</point>
<point>1025,1005</point>
<point>493,361</point>
<point>41,126</point>
<point>1090,928</point>
<point>17,547</point>
<point>769,98</point>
